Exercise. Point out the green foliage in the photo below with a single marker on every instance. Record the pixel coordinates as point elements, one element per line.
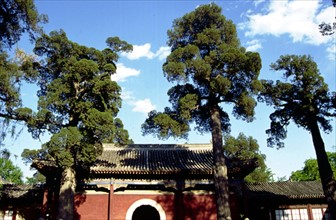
<point>12,75</point>
<point>65,145</point>
<point>164,125</point>
<point>17,17</point>
<point>210,68</point>
<point>306,100</point>
<point>282,179</point>
<point>37,178</point>
<point>29,155</point>
<point>117,45</point>
<point>78,102</point>
<point>78,105</point>
<point>9,88</point>
<point>245,148</point>
<point>9,172</point>
<point>303,97</point>
<point>310,171</point>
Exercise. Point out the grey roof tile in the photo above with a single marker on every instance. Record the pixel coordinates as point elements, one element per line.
<point>290,190</point>
<point>163,159</point>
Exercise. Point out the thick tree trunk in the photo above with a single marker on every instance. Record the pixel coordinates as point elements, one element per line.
<point>326,174</point>
<point>66,195</point>
<point>219,168</point>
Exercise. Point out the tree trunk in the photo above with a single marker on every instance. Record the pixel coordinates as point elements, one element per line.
<point>66,195</point>
<point>326,174</point>
<point>219,168</point>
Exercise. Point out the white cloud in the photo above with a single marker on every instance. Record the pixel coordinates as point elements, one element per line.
<point>139,51</point>
<point>331,52</point>
<point>326,15</point>
<point>126,95</point>
<point>257,2</point>
<point>298,19</point>
<point>144,51</point>
<point>143,106</point>
<point>253,45</point>
<point>124,72</point>
<point>138,105</point>
<point>162,53</point>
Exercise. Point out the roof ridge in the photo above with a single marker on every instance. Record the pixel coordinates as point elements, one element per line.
<point>293,190</point>
<point>111,146</point>
<point>285,182</point>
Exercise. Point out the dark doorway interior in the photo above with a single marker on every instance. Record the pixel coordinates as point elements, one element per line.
<point>146,212</point>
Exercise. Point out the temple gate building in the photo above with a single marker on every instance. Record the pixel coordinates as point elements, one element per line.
<point>171,182</point>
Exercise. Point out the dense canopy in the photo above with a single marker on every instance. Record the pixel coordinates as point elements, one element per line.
<point>210,68</point>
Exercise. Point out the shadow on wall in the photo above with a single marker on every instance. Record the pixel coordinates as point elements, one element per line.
<point>188,206</point>
<point>78,201</point>
<point>199,207</point>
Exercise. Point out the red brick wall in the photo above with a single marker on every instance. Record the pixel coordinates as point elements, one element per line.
<point>200,207</point>
<point>203,207</point>
<point>121,202</point>
<point>90,206</point>
<point>188,206</point>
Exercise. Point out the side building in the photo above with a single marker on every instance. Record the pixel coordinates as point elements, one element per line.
<point>175,182</point>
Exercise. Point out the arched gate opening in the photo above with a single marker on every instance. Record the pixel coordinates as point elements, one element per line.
<point>144,209</point>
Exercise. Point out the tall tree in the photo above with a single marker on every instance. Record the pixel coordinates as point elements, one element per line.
<point>210,68</point>
<point>304,98</point>
<point>16,17</point>
<point>244,147</point>
<point>78,104</point>
<point>310,171</point>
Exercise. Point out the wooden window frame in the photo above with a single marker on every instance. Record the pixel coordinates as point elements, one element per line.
<point>308,207</point>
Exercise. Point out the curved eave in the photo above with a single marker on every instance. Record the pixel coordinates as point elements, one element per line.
<point>149,172</point>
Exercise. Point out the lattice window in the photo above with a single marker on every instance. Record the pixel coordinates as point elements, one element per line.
<point>296,214</point>
<point>299,214</point>
<point>8,215</point>
<point>317,213</point>
<point>320,213</point>
<point>291,214</point>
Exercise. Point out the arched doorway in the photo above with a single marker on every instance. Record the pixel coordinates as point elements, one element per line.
<point>145,212</point>
<point>145,207</point>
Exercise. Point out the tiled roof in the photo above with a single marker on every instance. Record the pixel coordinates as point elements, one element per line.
<point>189,159</point>
<point>21,192</point>
<point>46,167</point>
<point>289,190</point>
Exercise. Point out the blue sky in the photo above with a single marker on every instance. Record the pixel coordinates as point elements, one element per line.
<point>272,28</point>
